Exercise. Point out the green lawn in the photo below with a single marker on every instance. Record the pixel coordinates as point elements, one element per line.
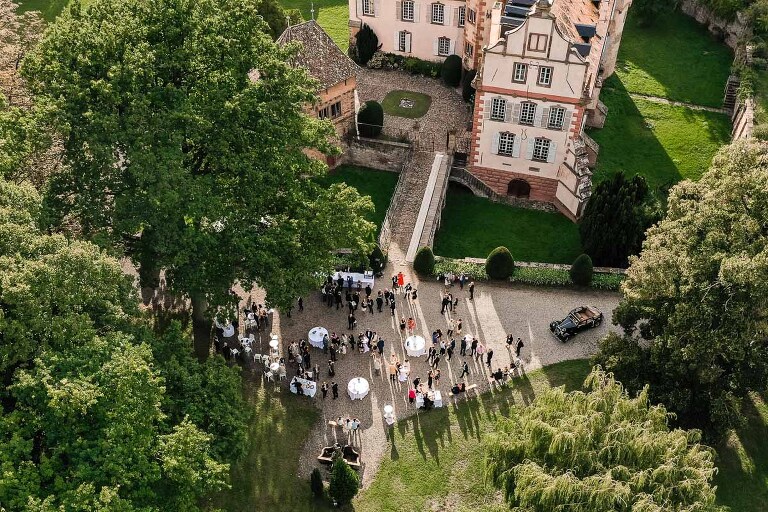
<point>391,104</point>
<point>49,8</point>
<point>675,58</point>
<point>332,15</point>
<point>379,185</point>
<point>663,143</point>
<point>473,226</point>
<point>435,460</point>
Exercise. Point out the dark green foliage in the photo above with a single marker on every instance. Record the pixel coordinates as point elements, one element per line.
<point>647,11</point>
<point>424,262</point>
<point>467,91</point>
<point>370,119</point>
<point>451,70</point>
<point>377,259</point>
<point>615,220</point>
<point>367,43</point>
<point>422,67</point>
<point>344,482</point>
<point>316,483</point>
<point>581,270</point>
<point>500,264</point>
<point>275,16</point>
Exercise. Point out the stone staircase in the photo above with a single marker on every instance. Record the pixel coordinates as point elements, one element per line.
<point>731,93</point>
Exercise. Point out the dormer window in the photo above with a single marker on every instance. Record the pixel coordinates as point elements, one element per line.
<point>537,42</point>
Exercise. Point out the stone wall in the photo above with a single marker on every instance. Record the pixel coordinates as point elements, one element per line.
<point>734,33</point>
<point>376,154</point>
<point>743,119</point>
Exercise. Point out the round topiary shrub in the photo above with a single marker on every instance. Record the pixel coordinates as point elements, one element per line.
<point>377,259</point>
<point>582,270</point>
<point>467,91</point>
<point>316,483</point>
<point>451,71</point>
<point>424,262</point>
<point>370,119</point>
<point>499,264</point>
<point>344,482</point>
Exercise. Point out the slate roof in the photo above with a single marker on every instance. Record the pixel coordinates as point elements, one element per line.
<point>319,54</point>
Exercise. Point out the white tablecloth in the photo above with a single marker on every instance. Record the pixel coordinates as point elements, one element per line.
<point>438,399</point>
<point>310,387</point>
<point>358,388</point>
<point>363,278</point>
<point>274,343</point>
<point>415,346</point>
<point>316,336</point>
<point>274,366</point>
<point>229,331</point>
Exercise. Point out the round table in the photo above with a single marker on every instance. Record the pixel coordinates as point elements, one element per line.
<point>229,331</point>
<point>358,388</point>
<point>415,346</point>
<point>388,409</point>
<point>316,336</point>
<point>273,343</point>
<point>274,367</point>
<point>468,338</point>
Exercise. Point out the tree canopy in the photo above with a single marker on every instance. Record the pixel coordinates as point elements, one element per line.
<point>697,296</point>
<point>599,450</point>
<point>176,156</point>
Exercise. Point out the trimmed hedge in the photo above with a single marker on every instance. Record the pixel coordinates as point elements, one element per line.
<point>500,264</point>
<point>451,71</point>
<point>344,482</point>
<point>371,119</point>
<point>424,262</point>
<point>582,270</point>
<point>316,483</point>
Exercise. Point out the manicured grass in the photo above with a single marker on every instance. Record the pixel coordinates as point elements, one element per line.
<point>473,226</point>
<point>392,106</point>
<point>743,462</point>
<point>761,97</point>
<point>674,58</point>
<point>379,185</point>
<point>266,478</point>
<point>49,8</point>
<point>332,15</point>
<point>663,143</point>
<point>435,460</point>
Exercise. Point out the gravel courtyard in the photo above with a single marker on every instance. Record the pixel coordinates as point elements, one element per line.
<point>498,309</point>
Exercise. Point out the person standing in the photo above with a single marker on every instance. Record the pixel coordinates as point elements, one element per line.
<point>519,347</point>
<point>463,347</point>
<point>351,321</point>
<point>335,390</point>
<point>458,327</point>
<point>392,306</point>
<point>444,304</point>
<point>400,279</point>
<point>332,349</point>
<point>379,301</point>
<point>370,306</point>
<point>368,291</point>
<point>473,349</point>
<point>324,389</point>
<point>488,357</point>
<point>301,304</point>
<point>451,326</point>
<point>436,361</point>
<point>449,351</point>
<point>376,365</point>
<point>471,290</point>
<point>392,371</point>
<point>464,370</point>
<point>430,376</point>
<point>480,351</point>
<point>411,325</point>
<point>380,346</point>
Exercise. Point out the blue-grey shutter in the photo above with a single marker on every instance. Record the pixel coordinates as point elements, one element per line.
<point>516,146</point>
<point>495,144</point>
<point>552,152</point>
<point>515,111</point>
<point>529,149</point>
<point>545,117</point>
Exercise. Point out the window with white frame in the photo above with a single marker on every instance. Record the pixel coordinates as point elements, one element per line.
<point>519,72</point>
<point>407,13</point>
<point>468,49</point>
<point>506,143</point>
<point>545,76</point>
<point>368,7</point>
<point>556,118</point>
<point>438,15</point>
<point>462,15</point>
<point>402,41</point>
<point>472,16</point>
<point>541,149</point>
<point>498,109</point>
<point>443,46</point>
<point>527,112</point>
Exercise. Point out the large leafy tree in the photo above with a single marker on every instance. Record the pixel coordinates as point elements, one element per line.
<point>698,294</point>
<point>599,450</point>
<point>616,218</point>
<point>179,158</point>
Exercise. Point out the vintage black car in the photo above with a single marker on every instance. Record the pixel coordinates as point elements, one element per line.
<point>581,318</point>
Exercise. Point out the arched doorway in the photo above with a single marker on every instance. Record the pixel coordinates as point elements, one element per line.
<point>519,188</point>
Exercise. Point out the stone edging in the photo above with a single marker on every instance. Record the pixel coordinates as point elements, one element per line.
<point>554,266</point>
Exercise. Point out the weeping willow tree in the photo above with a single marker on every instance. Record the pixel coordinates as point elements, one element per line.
<point>599,450</point>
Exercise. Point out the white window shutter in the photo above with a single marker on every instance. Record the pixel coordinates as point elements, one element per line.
<point>359,8</point>
<point>507,111</point>
<point>516,146</point>
<point>408,42</point>
<point>446,15</point>
<point>416,12</point>
<point>529,149</point>
<point>552,152</point>
<point>567,120</point>
<point>399,10</point>
<point>376,8</point>
<point>456,15</point>
<point>396,46</point>
<point>487,110</point>
<point>544,117</point>
<point>515,111</point>
<point>537,117</point>
<point>451,46</point>
<point>435,46</point>
<point>495,144</point>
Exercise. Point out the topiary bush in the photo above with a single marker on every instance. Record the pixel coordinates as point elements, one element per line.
<point>367,43</point>
<point>467,91</point>
<point>344,482</point>
<point>316,483</point>
<point>424,262</point>
<point>451,70</point>
<point>370,119</point>
<point>582,270</point>
<point>377,259</point>
<point>500,264</point>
